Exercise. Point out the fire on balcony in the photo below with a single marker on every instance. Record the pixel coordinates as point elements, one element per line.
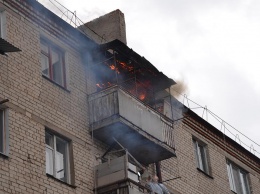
<point>122,66</point>
<point>131,103</point>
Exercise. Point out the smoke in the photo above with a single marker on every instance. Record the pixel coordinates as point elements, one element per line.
<point>179,88</point>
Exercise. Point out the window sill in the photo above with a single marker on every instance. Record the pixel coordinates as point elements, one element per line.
<point>204,173</point>
<point>2,155</point>
<point>56,83</point>
<point>52,177</point>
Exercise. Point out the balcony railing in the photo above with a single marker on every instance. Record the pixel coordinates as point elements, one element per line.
<point>119,175</point>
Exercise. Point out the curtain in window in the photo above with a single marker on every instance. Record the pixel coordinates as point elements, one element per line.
<point>57,67</point>
<point>49,160</point>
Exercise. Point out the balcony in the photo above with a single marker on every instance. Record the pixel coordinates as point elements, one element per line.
<point>119,175</point>
<point>143,131</point>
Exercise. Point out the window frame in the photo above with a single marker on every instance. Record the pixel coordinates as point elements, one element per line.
<point>200,157</point>
<point>2,23</point>
<point>5,132</point>
<point>68,161</point>
<point>51,47</point>
<point>245,186</point>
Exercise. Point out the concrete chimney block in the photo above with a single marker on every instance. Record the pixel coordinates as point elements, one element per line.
<point>107,28</point>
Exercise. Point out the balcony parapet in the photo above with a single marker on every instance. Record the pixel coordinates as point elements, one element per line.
<point>115,113</point>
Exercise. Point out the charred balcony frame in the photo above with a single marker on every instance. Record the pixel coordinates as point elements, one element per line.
<point>117,64</point>
<point>128,85</point>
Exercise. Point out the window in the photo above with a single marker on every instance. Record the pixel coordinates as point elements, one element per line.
<point>52,62</point>
<point>2,24</point>
<point>237,179</point>
<point>57,157</point>
<point>201,155</point>
<point>4,146</point>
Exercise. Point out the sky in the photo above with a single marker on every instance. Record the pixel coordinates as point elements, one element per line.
<point>210,46</point>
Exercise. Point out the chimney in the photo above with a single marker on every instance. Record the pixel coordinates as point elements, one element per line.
<point>106,28</point>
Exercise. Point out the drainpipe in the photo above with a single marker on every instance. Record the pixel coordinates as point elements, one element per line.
<point>158,171</point>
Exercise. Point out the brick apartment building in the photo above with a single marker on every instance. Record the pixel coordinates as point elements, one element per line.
<point>82,113</point>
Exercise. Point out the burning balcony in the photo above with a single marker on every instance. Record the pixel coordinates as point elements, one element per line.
<point>130,103</point>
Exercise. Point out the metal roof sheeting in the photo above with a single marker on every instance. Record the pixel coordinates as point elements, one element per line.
<point>149,72</point>
<point>6,47</point>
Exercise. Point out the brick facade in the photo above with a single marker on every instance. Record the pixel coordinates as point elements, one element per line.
<point>36,103</point>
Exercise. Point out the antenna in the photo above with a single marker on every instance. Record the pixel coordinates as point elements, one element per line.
<point>71,18</point>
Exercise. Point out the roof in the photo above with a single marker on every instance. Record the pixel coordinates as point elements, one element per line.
<point>52,23</point>
<point>148,71</point>
<point>220,139</point>
<point>6,47</point>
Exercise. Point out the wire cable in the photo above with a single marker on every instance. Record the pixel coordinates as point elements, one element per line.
<point>80,21</point>
<point>219,119</point>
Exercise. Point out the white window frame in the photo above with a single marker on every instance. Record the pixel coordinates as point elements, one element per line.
<point>54,158</point>
<point>243,182</point>
<point>49,55</point>
<point>2,23</point>
<point>5,131</point>
<point>204,166</point>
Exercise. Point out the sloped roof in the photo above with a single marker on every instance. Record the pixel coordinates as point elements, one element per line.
<point>159,80</point>
<point>6,47</point>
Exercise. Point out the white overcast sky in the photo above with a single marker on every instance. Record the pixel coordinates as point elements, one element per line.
<point>213,46</point>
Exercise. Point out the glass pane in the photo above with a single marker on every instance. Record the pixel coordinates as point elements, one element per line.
<point>196,152</point>
<point>45,65</point>
<point>61,159</point>
<point>49,160</point>
<point>57,67</point>
<point>203,158</point>
<point>1,23</point>
<point>1,131</point>
<point>237,179</point>
<point>230,177</point>
<point>244,182</point>
<point>49,139</point>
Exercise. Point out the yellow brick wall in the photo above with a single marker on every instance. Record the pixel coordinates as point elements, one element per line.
<point>192,180</point>
<point>35,102</point>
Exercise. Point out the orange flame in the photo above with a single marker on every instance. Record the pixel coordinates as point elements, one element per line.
<point>125,66</point>
<point>104,85</point>
<point>142,97</point>
<point>112,67</point>
<point>121,64</point>
<point>139,89</point>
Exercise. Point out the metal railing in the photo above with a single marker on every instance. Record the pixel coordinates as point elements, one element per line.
<point>115,101</point>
